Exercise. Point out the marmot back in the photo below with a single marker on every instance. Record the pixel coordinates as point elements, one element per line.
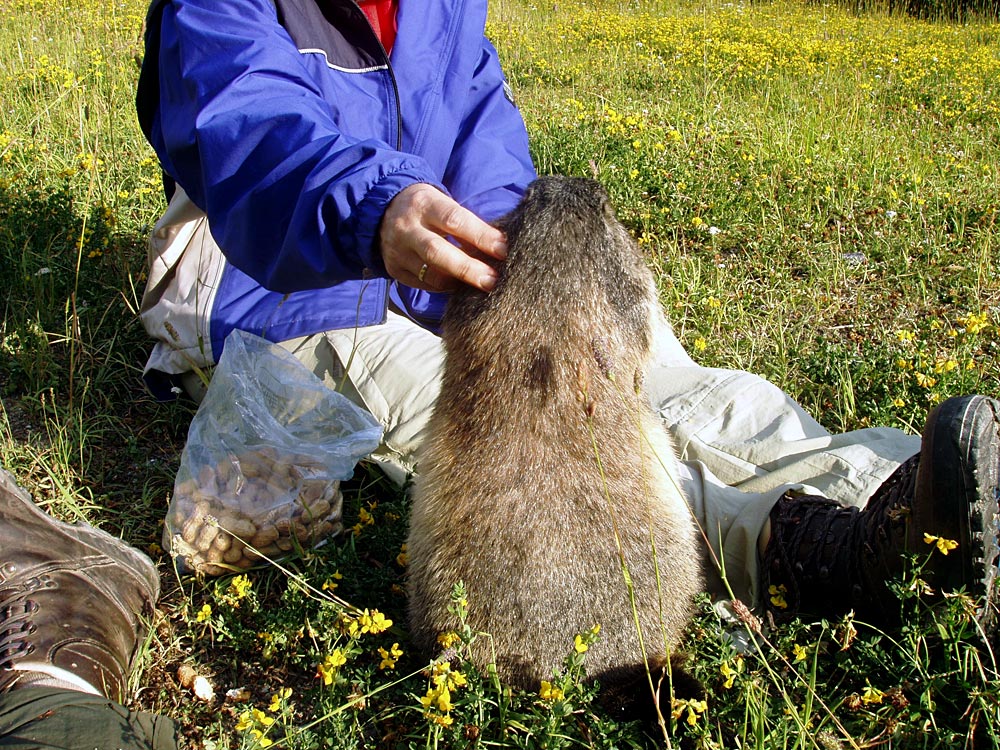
<point>545,472</point>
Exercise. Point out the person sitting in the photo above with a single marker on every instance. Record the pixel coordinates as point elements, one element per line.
<point>333,170</point>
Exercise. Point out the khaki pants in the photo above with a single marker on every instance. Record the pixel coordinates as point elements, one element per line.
<point>742,442</point>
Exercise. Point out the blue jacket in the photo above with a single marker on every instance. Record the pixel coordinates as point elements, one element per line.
<point>285,122</point>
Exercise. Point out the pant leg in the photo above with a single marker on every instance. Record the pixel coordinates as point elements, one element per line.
<point>40,718</point>
<point>742,442</point>
<point>393,370</point>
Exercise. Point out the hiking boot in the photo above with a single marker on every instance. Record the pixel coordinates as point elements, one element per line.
<point>825,559</point>
<point>73,600</point>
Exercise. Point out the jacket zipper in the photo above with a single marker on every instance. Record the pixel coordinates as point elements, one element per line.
<point>392,76</point>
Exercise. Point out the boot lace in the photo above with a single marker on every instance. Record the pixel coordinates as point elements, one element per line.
<point>16,631</point>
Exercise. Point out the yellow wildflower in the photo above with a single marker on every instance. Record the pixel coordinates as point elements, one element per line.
<point>330,584</point>
<point>239,587</point>
<point>390,656</point>
<point>205,613</point>
<point>447,640</point>
<point>729,672</point>
<point>549,692</point>
<point>799,653</point>
<point>944,545</point>
<point>443,699</point>
<point>245,722</point>
<point>373,622</point>
<point>438,696</point>
<point>579,644</point>
<point>282,695</point>
<point>443,682</point>
<point>445,721</point>
<point>777,594</point>
<point>943,364</point>
<point>261,718</point>
<point>872,695</point>
<point>974,323</point>
<point>327,669</point>
<point>694,709</point>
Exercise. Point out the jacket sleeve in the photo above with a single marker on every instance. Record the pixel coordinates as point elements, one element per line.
<point>292,201</point>
<point>491,165</point>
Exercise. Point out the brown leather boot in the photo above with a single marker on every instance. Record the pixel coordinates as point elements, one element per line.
<point>825,559</point>
<point>73,600</point>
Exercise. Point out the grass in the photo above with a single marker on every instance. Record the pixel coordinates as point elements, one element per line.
<point>818,195</point>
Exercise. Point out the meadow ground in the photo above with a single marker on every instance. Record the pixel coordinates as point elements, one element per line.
<point>817,193</point>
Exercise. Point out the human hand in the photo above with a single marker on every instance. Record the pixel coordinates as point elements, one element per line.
<point>415,249</point>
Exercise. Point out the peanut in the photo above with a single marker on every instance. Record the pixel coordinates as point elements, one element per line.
<point>273,502</point>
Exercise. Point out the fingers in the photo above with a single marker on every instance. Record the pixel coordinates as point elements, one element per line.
<point>467,228</point>
<point>413,235</point>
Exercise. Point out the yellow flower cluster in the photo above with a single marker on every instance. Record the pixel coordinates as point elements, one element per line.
<point>239,589</point>
<point>354,627</point>
<point>258,722</point>
<point>974,323</point>
<point>389,656</point>
<point>583,641</point>
<point>437,701</point>
<point>693,709</point>
<point>944,545</point>
<point>730,671</point>
<point>327,669</point>
<point>373,622</point>
<point>777,595</point>
<point>365,518</point>
<point>279,698</point>
<point>330,584</point>
<point>872,695</point>
<point>550,693</point>
<point>739,44</point>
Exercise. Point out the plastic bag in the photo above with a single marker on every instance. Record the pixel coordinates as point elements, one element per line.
<point>260,472</point>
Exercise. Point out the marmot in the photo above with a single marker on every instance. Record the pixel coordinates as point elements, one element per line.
<point>545,474</point>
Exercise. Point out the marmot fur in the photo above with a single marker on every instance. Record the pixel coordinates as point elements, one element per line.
<point>545,474</point>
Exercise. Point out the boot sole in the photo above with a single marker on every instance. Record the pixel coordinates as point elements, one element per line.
<point>18,507</point>
<point>963,505</point>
